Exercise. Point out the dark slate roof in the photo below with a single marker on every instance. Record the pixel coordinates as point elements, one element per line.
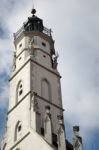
<point>69,146</point>
<point>34,24</point>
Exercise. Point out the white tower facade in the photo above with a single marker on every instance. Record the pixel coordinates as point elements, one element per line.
<point>35,116</point>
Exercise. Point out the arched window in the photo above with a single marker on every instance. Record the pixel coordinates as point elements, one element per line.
<point>45,89</point>
<point>18,131</point>
<point>19,91</point>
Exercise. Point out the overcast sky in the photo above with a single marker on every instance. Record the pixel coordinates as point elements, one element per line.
<point>75,26</point>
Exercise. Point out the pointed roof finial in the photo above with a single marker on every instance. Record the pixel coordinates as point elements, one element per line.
<point>33,10</point>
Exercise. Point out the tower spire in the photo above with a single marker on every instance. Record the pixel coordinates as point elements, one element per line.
<point>33,10</point>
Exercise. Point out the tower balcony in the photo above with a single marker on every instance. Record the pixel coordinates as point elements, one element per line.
<point>23,29</point>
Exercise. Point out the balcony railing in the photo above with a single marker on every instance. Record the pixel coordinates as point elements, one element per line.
<point>22,29</point>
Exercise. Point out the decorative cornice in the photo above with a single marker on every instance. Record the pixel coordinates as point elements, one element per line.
<point>45,68</point>
<point>35,49</point>
<point>38,97</point>
<point>19,70</point>
<point>21,52</point>
<point>18,103</point>
<point>50,102</point>
<point>29,60</point>
<point>19,141</point>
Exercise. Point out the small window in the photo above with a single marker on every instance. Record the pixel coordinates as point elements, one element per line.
<point>44,56</point>
<point>20,92</point>
<point>19,128</point>
<point>18,131</point>
<point>20,45</point>
<point>20,85</point>
<point>44,44</point>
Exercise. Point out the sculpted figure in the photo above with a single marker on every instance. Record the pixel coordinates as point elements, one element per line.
<point>14,61</point>
<point>77,140</point>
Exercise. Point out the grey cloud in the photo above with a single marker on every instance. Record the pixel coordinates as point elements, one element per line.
<point>3,30</point>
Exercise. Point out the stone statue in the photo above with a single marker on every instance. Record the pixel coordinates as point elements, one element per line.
<point>77,140</point>
<point>34,103</point>
<point>48,125</point>
<point>14,62</point>
<point>61,134</point>
<point>54,60</point>
<point>30,46</point>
